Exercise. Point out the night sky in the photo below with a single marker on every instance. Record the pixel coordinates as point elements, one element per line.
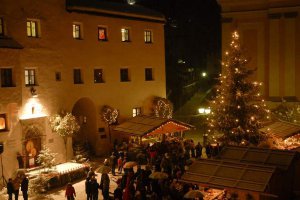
<point>192,35</point>
<point>192,44</point>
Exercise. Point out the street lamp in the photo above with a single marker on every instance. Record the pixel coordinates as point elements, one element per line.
<point>204,111</point>
<point>204,74</point>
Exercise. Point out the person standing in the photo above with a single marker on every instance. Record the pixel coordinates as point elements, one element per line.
<point>94,189</point>
<point>198,150</point>
<point>88,188</point>
<point>70,192</point>
<point>104,185</point>
<point>113,163</point>
<point>24,187</point>
<point>10,189</point>
<point>16,187</point>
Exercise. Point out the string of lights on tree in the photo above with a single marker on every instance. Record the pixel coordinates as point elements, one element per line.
<point>238,109</point>
<point>109,114</point>
<point>163,108</point>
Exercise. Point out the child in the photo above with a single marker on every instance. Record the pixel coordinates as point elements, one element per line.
<point>70,192</point>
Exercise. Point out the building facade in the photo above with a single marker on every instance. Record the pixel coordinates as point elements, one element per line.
<point>74,56</point>
<point>270,33</point>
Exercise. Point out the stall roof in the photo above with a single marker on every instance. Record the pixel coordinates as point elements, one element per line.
<point>281,129</point>
<point>7,42</point>
<point>222,174</point>
<point>142,125</point>
<point>260,156</point>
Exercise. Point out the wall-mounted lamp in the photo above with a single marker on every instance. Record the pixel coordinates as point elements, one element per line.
<point>33,92</point>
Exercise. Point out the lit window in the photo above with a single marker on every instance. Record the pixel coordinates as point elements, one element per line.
<point>98,76</point>
<point>1,26</point>
<point>32,28</point>
<point>136,111</point>
<point>124,75</point>
<point>77,31</point>
<point>29,77</point>
<point>148,74</point>
<point>6,77</point>
<point>125,35</point>
<point>77,76</point>
<point>148,36</point>
<point>102,34</point>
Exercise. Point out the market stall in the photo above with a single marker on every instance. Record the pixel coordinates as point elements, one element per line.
<point>151,128</point>
<point>235,179</point>
<point>288,132</point>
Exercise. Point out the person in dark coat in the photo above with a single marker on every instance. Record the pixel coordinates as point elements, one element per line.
<point>198,150</point>
<point>10,189</point>
<point>88,188</point>
<point>24,187</point>
<point>94,186</point>
<point>113,163</point>
<point>118,193</point>
<point>105,181</point>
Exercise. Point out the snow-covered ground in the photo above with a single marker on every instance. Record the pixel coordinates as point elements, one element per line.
<point>59,194</point>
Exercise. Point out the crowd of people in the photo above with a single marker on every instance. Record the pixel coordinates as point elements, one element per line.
<point>169,157</point>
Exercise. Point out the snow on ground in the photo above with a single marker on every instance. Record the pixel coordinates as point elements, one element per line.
<point>59,194</point>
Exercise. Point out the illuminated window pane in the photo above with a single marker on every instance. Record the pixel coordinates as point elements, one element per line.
<point>125,34</point>
<point>76,31</point>
<point>98,76</point>
<point>29,77</point>
<point>102,34</point>
<point>148,36</point>
<point>32,28</point>
<point>136,111</point>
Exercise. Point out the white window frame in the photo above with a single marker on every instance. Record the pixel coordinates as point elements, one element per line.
<point>125,34</point>
<point>136,111</point>
<point>77,33</point>
<point>30,76</point>
<point>148,36</point>
<point>33,28</point>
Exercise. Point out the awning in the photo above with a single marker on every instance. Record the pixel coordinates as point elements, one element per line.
<point>222,174</point>
<point>281,129</point>
<point>6,42</point>
<point>143,125</point>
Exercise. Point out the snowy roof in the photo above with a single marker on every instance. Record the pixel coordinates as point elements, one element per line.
<point>281,129</point>
<point>259,156</point>
<point>114,9</point>
<point>142,125</point>
<point>222,174</point>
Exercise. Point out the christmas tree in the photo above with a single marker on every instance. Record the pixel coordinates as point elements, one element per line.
<point>238,109</point>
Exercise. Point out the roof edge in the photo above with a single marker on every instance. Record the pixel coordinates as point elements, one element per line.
<point>71,8</point>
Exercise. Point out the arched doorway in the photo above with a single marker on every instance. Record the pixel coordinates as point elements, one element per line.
<point>85,110</point>
<point>31,146</point>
